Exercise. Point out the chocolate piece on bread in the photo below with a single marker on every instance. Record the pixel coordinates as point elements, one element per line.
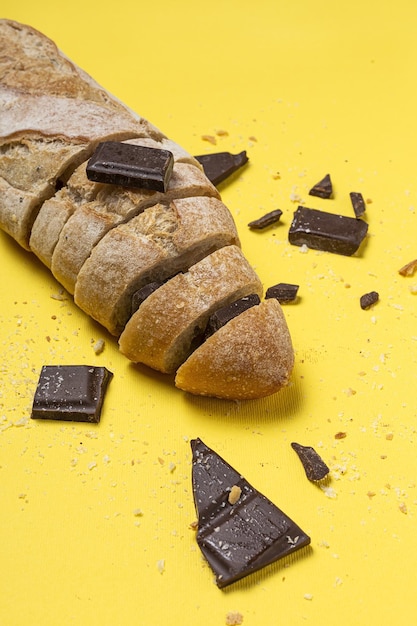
<point>250,357</point>
<point>162,332</point>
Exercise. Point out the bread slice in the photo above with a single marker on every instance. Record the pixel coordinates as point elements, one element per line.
<point>112,206</point>
<point>161,332</point>
<point>155,245</point>
<point>52,117</point>
<point>250,357</point>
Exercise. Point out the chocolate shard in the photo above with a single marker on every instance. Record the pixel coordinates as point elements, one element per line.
<point>220,165</point>
<point>368,299</point>
<point>358,203</point>
<point>141,294</point>
<point>322,189</point>
<point>220,317</point>
<point>314,466</point>
<point>283,292</point>
<point>266,220</point>
<point>70,392</point>
<point>128,165</point>
<point>241,538</point>
<point>326,231</point>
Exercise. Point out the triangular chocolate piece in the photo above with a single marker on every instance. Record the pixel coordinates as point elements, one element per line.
<point>238,536</point>
<point>322,189</point>
<point>220,165</point>
<point>314,466</point>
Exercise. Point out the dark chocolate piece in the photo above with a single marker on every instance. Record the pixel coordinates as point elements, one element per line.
<point>220,165</point>
<point>358,203</point>
<point>322,189</point>
<point>283,292</point>
<point>128,165</point>
<point>70,392</point>
<point>327,231</point>
<point>368,299</point>
<point>266,220</point>
<point>141,294</point>
<point>314,466</point>
<point>220,317</point>
<point>241,538</point>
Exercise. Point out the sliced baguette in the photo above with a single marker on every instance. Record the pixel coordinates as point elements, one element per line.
<point>155,245</point>
<point>250,357</point>
<point>161,332</point>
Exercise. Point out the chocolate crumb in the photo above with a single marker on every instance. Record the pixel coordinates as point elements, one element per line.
<point>266,220</point>
<point>322,189</point>
<point>314,466</point>
<point>369,299</point>
<point>358,203</point>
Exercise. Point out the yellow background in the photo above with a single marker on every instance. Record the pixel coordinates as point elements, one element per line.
<point>95,519</point>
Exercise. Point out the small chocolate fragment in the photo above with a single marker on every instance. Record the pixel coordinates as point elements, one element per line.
<point>358,203</point>
<point>314,466</point>
<point>283,292</point>
<point>327,231</point>
<point>240,538</point>
<point>128,165</point>
<point>220,165</point>
<point>266,220</point>
<point>368,299</point>
<point>322,189</point>
<point>141,294</point>
<point>220,317</point>
<point>70,392</point>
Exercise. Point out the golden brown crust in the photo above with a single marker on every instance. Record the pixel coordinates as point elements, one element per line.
<point>161,332</point>
<point>250,357</point>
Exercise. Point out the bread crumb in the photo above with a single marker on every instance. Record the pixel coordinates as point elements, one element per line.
<point>98,347</point>
<point>340,435</point>
<point>234,618</point>
<point>308,596</point>
<point>161,566</point>
<point>403,507</point>
<point>222,133</point>
<point>234,494</point>
<point>409,269</point>
<point>210,138</point>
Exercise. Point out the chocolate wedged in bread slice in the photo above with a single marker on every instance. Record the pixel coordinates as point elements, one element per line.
<point>250,357</point>
<point>162,331</point>
<point>153,246</point>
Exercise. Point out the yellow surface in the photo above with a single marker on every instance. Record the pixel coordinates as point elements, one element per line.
<point>95,519</point>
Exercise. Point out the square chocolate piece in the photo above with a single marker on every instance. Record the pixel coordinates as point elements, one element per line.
<point>70,393</point>
<point>128,165</point>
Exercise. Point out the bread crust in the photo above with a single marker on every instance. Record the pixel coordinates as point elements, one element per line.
<point>250,357</point>
<point>161,332</point>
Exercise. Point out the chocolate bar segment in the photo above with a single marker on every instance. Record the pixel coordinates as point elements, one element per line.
<point>327,231</point>
<point>283,292</point>
<point>322,189</point>
<point>71,393</point>
<point>358,203</point>
<point>266,220</point>
<point>229,311</point>
<point>314,466</point>
<point>240,538</point>
<point>129,165</point>
<point>220,165</point>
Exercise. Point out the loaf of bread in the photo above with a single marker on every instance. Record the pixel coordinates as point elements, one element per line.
<point>107,244</point>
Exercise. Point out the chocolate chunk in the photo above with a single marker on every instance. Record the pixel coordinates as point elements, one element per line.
<point>70,392</point>
<point>368,299</point>
<point>128,165</point>
<point>266,220</point>
<point>358,203</point>
<point>327,231</point>
<point>220,165</point>
<point>220,317</point>
<point>283,292</point>
<point>314,466</point>
<point>141,294</point>
<point>240,538</point>
<point>322,189</point>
